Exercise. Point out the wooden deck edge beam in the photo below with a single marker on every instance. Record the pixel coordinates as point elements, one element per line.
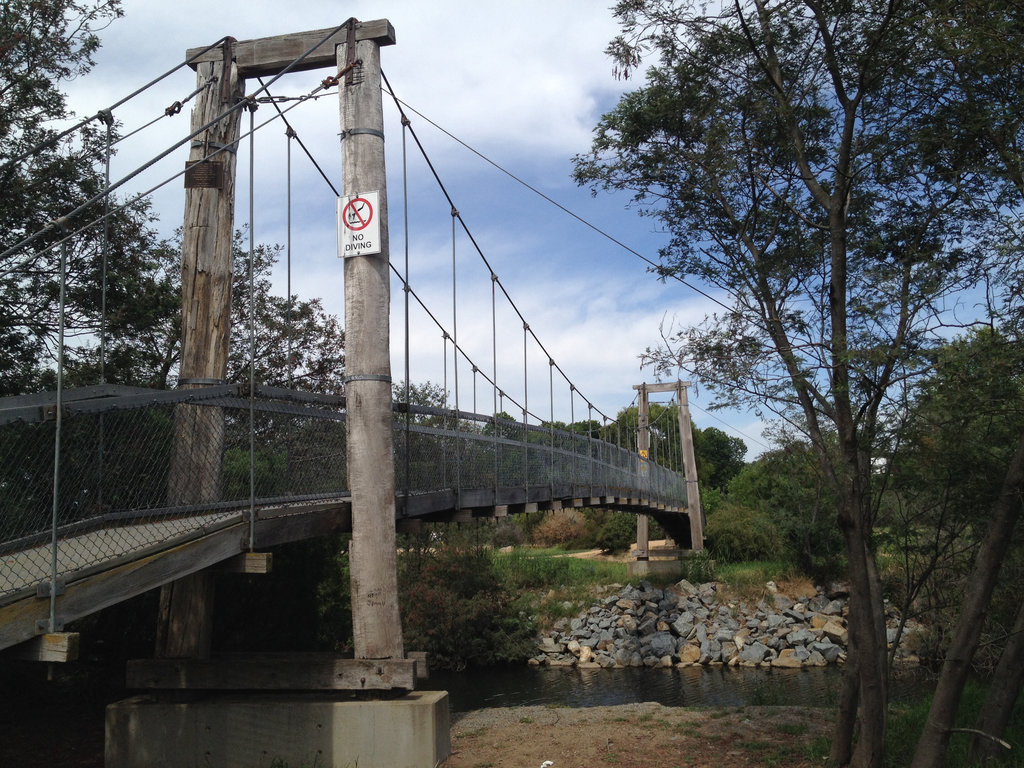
<point>313,672</point>
<point>270,55</point>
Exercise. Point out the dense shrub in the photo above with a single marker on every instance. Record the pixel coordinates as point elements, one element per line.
<point>736,532</point>
<point>455,607</point>
<point>617,533</point>
<point>559,529</point>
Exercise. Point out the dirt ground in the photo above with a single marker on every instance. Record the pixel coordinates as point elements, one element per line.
<point>635,735</point>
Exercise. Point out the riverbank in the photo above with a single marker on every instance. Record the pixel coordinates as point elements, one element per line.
<point>640,736</point>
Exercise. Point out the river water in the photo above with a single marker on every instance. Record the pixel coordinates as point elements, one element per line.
<point>512,686</point>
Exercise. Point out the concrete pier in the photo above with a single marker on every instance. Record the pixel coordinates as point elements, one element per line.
<point>295,730</point>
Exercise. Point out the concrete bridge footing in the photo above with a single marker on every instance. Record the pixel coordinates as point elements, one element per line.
<point>233,730</point>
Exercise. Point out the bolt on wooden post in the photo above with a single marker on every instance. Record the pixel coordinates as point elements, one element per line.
<point>376,623</point>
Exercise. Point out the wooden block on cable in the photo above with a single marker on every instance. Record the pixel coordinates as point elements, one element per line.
<point>53,646</point>
<point>250,562</point>
<point>272,672</point>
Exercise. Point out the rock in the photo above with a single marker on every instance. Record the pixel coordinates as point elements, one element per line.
<point>586,654</point>
<point>801,636</point>
<point>548,645</point>
<point>689,654</point>
<point>629,623</point>
<point>753,653</point>
<point>625,605</point>
<point>772,587</point>
<point>683,626</point>
<point>783,603</point>
<point>686,588</point>
<point>573,646</point>
<point>605,661</point>
<point>787,659</point>
<point>836,631</point>
<point>666,661</point>
<point>834,608</point>
<point>663,644</point>
<point>647,627</point>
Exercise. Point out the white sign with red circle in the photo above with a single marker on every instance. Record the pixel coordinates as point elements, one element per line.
<point>359,225</point>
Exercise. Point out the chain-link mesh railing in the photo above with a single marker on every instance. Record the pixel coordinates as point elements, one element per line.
<point>141,469</point>
<point>439,449</point>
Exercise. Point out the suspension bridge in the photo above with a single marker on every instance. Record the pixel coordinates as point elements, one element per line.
<point>109,491</point>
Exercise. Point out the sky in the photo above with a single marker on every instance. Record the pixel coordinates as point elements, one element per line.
<point>521,83</point>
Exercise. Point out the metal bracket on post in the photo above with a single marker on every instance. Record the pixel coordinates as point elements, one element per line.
<point>350,52</point>
<point>43,589</point>
<point>225,70</point>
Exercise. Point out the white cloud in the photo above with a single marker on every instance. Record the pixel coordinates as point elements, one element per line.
<point>524,83</point>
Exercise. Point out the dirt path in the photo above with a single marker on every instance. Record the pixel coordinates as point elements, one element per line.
<point>638,736</point>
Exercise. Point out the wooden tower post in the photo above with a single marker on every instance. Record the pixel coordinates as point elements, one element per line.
<point>690,468</point>
<point>186,605</point>
<point>643,444</point>
<point>363,209</point>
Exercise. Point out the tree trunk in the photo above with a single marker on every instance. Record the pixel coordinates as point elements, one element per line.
<point>846,721</point>
<point>1002,694</point>
<point>931,747</point>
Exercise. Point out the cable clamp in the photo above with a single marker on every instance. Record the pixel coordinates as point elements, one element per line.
<point>355,131</point>
<point>368,377</point>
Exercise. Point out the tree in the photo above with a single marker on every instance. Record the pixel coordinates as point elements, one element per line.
<point>779,145</point>
<point>958,480</point>
<point>297,344</point>
<point>719,456</point>
<point>786,484</point>
<point>45,174</point>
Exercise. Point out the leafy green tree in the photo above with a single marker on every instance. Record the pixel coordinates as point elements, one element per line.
<point>45,175</point>
<point>786,485</point>
<point>947,479</point>
<point>719,456</point>
<point>298,344</point>
<point>779,144</point>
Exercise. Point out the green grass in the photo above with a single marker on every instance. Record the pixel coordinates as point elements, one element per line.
<point>907,722</point>
<point>536,569</point>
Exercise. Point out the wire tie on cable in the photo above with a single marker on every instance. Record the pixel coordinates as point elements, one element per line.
<point>106,117</point>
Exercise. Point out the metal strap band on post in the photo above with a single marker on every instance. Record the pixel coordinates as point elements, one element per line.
<point>368,377</point>
<point>369,131</point>
<point>202,382</point>
<point>207,145</point>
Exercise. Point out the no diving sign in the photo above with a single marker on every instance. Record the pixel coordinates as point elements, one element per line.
<point>359,225</point>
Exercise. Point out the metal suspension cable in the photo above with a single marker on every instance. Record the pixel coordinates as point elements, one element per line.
<point>555,203</point>
<point>276,101</point>
<point>465,227</point>
<point>109,110</point>
<point>252,331</point>
<point>290,134</point>
<point>243,103</point>
<point>141,195</point>
<point>170,111</point>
